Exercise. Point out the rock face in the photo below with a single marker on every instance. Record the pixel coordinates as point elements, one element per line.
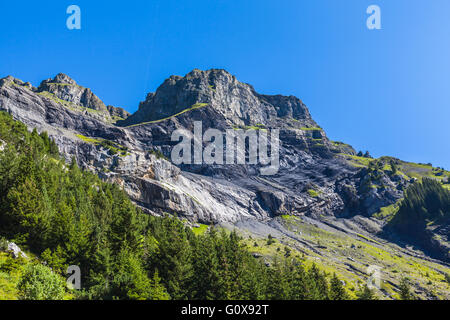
<point>231,101</point>
<point>16,251</point>
<point>313,179</point>
<point>65,88</point>
<point>117,112</point>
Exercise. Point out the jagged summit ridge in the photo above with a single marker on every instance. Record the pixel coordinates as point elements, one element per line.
<point>229,100</point>
<point>63,79</point>
<point>64,88</point>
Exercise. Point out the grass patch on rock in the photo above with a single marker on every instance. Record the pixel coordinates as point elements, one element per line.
<point>201,229</point>
<point>113,147</point>
<point>193,107</point>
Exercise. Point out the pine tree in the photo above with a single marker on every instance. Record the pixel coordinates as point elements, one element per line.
<point>299,285</point>
<point>173,257</point>
<point>157,290</point>
<point>337,291</point>
<point>405,290</point>
<point>365,293</point>
<point>207,281</point>
<point>316,284</point>
<point>270,240</point>
<point>253,280</point>
<point>277,286</point>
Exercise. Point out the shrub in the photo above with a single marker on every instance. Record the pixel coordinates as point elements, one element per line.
<point>313,193</point>
<point>38,282</point>
<point>3,244</point>
<point>405,290</point>
<point>270,240</point>
<point>447,277</point>
<point>365,293</point>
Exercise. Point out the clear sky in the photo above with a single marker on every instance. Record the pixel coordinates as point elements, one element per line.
<point>386,91</point>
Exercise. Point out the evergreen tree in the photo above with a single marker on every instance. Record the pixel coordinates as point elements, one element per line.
<point>367,155</point>
<point>365,293</point>
<point>405,290</point>
<point>337,291</point>
<point>423,202</point>
<point>299,282</point>
<point>277,285</point>
<point>157,290</point>
<point>38,282</point>
<point>316,284</point>
<point>173,256</point>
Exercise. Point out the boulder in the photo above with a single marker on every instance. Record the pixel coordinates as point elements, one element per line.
<point>16,251</point>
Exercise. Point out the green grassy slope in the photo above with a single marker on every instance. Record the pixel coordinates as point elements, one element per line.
<point>349,256</point>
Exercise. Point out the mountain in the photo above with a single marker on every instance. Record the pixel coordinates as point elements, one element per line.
<point>64,90</point>
<point>324,199</point>
<point>64,217</point>
<point>230,102</point>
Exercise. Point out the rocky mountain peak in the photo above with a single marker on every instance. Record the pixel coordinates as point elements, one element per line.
<point>212,75</point>
<point>226,99</point>
<point>11,80</point>
<point>64,79</point>
<point>65,88</point>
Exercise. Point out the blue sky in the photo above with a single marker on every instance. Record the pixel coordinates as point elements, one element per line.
<point>386,91</point>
